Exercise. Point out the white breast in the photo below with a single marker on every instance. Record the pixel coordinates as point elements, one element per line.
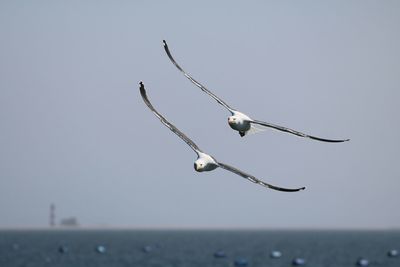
<point>242,123</point>
<point>209,162</point>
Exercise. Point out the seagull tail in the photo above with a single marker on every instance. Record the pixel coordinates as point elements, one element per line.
<point>254,128</point>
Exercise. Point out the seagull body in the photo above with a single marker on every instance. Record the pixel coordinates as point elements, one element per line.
<point>204,161</point>
<point>239,121</point>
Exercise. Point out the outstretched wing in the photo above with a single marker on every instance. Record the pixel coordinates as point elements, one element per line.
<point>288,130</point>
<point>167,123</point>
<point>253,179</point>
<point>204,89</point>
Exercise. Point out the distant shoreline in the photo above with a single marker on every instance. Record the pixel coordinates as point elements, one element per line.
<point>244,229</point>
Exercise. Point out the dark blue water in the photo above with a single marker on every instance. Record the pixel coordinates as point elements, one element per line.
<point>195,248</point>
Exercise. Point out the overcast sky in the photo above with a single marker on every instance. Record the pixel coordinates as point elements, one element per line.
<point>75,131</point>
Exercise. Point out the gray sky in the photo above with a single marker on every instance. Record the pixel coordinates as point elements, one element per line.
<point>74,129</point>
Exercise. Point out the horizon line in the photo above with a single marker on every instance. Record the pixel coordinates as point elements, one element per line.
<point>192,228</point>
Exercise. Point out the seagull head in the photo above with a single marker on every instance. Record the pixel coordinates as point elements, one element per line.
<point>232,120</point>
<point>199,165</point>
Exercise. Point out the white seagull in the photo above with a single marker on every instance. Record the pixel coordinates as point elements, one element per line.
<point>238,120</point>
<point>204,161</point>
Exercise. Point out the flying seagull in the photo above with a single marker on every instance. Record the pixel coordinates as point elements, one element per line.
<point>238,120</point>
<point>204,161</point>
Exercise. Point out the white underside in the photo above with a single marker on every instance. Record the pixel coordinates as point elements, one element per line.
<point>208,163</point>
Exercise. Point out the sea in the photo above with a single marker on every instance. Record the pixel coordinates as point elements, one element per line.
<point>198,248</point>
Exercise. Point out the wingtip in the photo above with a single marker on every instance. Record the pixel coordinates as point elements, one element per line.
<point>141,87</point>
<point>164,42</point>
<point>303,188</point>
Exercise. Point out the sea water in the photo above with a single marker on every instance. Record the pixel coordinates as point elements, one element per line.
<point>111,248</point>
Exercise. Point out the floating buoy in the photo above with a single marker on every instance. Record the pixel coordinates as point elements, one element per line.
<point>101,249</point>
<point>147,249</point>
<point>275,254</point>
<point>62,249</point>
<point>298,261</point>
<point>393,253</point>
<point>219,254</point>
<point>362,262</point>
<point>241,262</point>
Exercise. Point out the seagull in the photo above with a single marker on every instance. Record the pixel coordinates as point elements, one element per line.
<point>204,161</point>
<point>239,121</point>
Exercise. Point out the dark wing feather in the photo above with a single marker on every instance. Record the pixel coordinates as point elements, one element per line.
<point>288,130</point>
<point>255,180</point>
<point>167,123</point>
<point>204,89</point>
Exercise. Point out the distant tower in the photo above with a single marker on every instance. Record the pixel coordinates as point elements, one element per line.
<point>52,218</point>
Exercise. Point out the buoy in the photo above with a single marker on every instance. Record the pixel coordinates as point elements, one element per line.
<point>62,249</point>
<point>298,261</point>
<point>219,254</point>
<point>147,249</point>
<point>393,253</point>
<point>275,254</point>
<point>101,249</point>
<point>362,262</point>
<point>241,262</point>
